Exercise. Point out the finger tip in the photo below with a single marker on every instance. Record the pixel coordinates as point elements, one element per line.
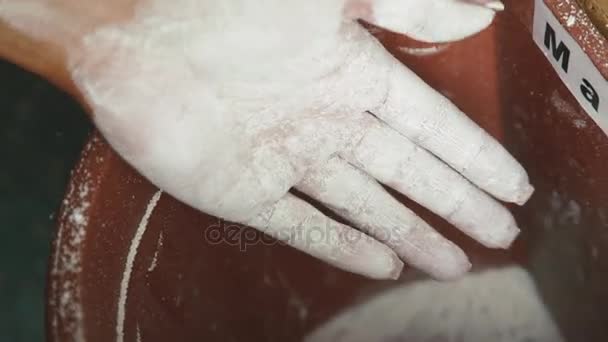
<point>453,273</point>
<point>497,6</point>
<point>383,264</point>
<point>472,18</point>
<point>390,270</point>
<point>504,239</point>
<point>524,195</point>
<point>510,237</point>
<point>397,269</point>
<point>494,5</point>
<point>449,264</point>
<point>517,190</point>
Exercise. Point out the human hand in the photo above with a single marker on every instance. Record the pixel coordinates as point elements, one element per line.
<point>227,105</point>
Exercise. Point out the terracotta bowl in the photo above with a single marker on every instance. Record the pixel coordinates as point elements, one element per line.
<point>132,264</point>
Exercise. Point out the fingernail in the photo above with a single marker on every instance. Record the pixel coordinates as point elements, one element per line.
<point>397,269</point>
<point>524,194</point>
<point>506,238</point>
<point>456,273</point>
<point>387,266</point>
<point>434,255</point>
<point>377,262</point>
<point>512,234</point>
<point>495,5</point>
<point>451,263</point>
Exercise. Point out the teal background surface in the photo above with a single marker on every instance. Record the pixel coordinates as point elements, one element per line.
<point>42,131</point>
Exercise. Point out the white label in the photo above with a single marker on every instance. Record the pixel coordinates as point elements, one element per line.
<point>574,67</point>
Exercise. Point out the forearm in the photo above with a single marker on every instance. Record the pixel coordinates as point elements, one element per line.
<point>37,56</point>
<point>36,34</point>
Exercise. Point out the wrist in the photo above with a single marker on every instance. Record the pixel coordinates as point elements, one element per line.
<point>39,34</point>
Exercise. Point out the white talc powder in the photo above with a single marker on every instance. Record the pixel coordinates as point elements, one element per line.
<point>499,305</point>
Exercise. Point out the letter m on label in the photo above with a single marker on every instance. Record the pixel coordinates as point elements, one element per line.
<point>560,52</point>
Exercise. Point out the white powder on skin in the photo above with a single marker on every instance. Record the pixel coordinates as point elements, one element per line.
<point>126,276</point>
<point>455,17</point>
<point>296,222</point>
<point>361,200</point>
<point>499,305</point>
<point>395,161</point>
<point>284,118</point>
<point>315,75</point>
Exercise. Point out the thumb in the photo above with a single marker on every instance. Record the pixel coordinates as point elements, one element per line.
<point>432,21</point>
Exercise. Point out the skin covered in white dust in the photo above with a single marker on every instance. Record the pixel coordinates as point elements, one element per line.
<point>498,305</point>
<point>227,105</point>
